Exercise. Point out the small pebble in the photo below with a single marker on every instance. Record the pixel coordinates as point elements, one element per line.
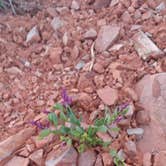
<point>135,131</point>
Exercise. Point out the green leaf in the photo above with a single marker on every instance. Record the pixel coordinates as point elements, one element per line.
<point>91,131</point>
<point>107,118</point>
<point>113,153</point>
<point>63,116</point>
<point>99,122</point>
<point>58,106</point>
<point>75,133</point>
<point>72,117</point>
<point>106,144</point>
<point>116,129</point>
<point>64,130</point>
<point>44,133</point>
<point>102,128</point>
<point>53,118</point>
<point>81,148</point>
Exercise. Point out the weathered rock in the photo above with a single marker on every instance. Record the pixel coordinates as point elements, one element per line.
<point>75,5</point>
<point>160,158</point>
<point>55,55</point>
<point>13,70</point>
<point>63,156</point>
<point>87,158</point>
<point>100,4</point>
<point>152,97</point>
<point>142,118</point>
<point>37,157</point>
<point>11,144</point>
<point>57,23</point>
<point>135,131</point>
<point>147,159</point>
<point>99,161</point>
<point>33,35</point>
<point>114,2</point>
<point>144,46</point>
<point>131,148</point>
<point>107,35</point>
<point>90,34</point>
<point>104,136</point>
<point>98,68</point>
<point>108,95</point>
<point>18,161</point>
<point>107,159</point>
<point>130,111</point>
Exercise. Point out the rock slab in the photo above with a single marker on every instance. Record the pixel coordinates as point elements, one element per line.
<point>11,144</point>
<point>145,46</point>
<point>107,35</point>
<point>152,96</point>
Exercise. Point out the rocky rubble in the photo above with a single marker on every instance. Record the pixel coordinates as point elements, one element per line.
<point>42,54</point>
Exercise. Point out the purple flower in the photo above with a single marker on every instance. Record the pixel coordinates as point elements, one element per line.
<point>39,125</point>
<point>66,99</point>
<point>122,107</point>
<point>118,119</point>
<point>46,112</point>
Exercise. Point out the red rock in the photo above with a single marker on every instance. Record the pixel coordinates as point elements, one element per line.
<point>87,158</point>
<point>142,118</point>
<point>107,35</point>
<point>100,4</point>
<point>160,158</point>
<point>18,161</point>
<point>62,157</point>
<point>37,157</point>
<point>90,34</point>
<point>99,161</point>
<point>147,159</point>
<point>99,80</point>
<point>152,97</point>
<point>108,95</point>
<point>126,3</point>
<point>55,55</point>
<point>104,136</point>
<point>107,159</point>
<point>131,148</point>
<point>131,92</point>
<point>126,17</point>
<point>147,15</point>
<point>11,144</point>
<point>98,68</point>
<point>75,5</point>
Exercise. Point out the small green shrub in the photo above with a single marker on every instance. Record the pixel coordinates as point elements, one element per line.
<point>68,127</point>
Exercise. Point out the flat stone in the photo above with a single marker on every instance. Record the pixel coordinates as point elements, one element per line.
<point>135,131</point>
<point>106,37</point>
<point>142,118</point>
<point>14,70</point>
<point>87,158</point>
<point>62,156</point>
<point>33,35</point>
<point>145,46</point>
<point>114,2</point>
<point>107,159</point>
<point>108,95</point>
<point>161,6</point>
<point>101,4</point>
<point>18,161</point>
<point>90,34</point>
<point>37,157</point>
<point>56,23</point>
<point>152,97</point>
<point>11,144</point>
